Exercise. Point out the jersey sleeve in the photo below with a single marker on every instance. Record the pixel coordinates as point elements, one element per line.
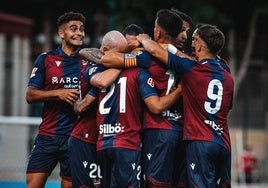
<point>180,64</point>
<point>223,63</point>
<point>37,77</point>
<point>141,59</point>
<point>92,70</point>
<point>146,84</point>
<point>93,92</point>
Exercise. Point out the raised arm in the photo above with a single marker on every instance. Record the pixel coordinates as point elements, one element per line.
<point>153,48</point>
<point>160,51</point>
<point>112,59</point>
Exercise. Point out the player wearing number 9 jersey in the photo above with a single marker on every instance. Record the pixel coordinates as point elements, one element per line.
<point>207,99</point>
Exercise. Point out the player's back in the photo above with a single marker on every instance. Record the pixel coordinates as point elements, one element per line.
<point>120,112</point>
<point>208,97</point>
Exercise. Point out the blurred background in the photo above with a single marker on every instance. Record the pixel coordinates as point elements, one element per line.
<point>28,28</point>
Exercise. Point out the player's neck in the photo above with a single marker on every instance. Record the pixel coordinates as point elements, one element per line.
<point>69,50</point>
<point>200,56</point>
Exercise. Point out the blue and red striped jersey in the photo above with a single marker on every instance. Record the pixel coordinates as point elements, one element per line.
<point>56,70</point>
<point>120,108</point>
<point>85,127</point>
<point>207,98</point>
<point>165,79</point>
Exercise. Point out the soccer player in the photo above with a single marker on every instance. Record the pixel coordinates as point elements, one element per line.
<point>83,139</point>
<point>82,143</point>
<point>186,26</point>
<point>207,98</point>
<point>55,82</point>
<point>162,133</point>
<point>119,120</point>
<point>131,31</point>
<point>180,41</point>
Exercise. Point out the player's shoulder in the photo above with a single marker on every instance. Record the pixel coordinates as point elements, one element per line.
<point>48,53</point>
<point>224,63</point>
<point>137,50</point>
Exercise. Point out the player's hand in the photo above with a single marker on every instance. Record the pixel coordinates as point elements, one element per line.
<point>133,45</point>
<point>142,37</point>
<point>68,95</point>
<point>91,54</point>
<point>164,45</point>
<point>76,104</point>
<point>177,89</point>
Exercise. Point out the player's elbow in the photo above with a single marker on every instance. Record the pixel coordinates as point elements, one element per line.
<point>153,104</point>
<point>155,109</point>
<point>103,84</point>
<point>99,83</point>
<point>78,108</point>
<point>78,111</point>
<point>29,97</point>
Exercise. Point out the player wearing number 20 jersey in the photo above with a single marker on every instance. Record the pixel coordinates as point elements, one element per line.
<point>82,142</point>
<point>119,121</point>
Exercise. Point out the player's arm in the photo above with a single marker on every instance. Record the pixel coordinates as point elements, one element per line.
<point>157,104</point>
<point>82,105</point>
<point>153,48</point>
<point>174,50</point>
<point>159,51</point>
<point>34,95</point>
<point>112,59</point>
<point>104,79</point>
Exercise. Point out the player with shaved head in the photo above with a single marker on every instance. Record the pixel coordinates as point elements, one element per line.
<point>120,119</point>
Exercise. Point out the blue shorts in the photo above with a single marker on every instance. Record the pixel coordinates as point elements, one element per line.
<point>208,165</point>
<point>120,167</point>
<point>83,160</point>
<point>47,152</point>
<point>164,157</point>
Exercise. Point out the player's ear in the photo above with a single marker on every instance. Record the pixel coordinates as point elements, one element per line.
<point>105,49</point>
<point>61,33</point>
<point>157,33</point>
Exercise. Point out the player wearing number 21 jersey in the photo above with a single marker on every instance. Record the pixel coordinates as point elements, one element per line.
<point>162,133</point>
<point>119,121</point>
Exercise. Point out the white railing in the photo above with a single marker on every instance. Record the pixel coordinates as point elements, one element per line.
<point>16,136</point>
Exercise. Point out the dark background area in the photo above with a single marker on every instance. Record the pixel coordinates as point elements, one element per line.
<point>230,16</point>
<point>104,15</point>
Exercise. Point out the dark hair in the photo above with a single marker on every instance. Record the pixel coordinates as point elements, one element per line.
<point>212,36</point>
<point>169,21</point>
<point>185,17</point>
<point>68,16</point>
<point>132,29</point>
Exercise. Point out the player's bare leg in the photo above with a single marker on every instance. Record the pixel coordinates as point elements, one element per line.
<point>36,180</point>
<point>66,184</point>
